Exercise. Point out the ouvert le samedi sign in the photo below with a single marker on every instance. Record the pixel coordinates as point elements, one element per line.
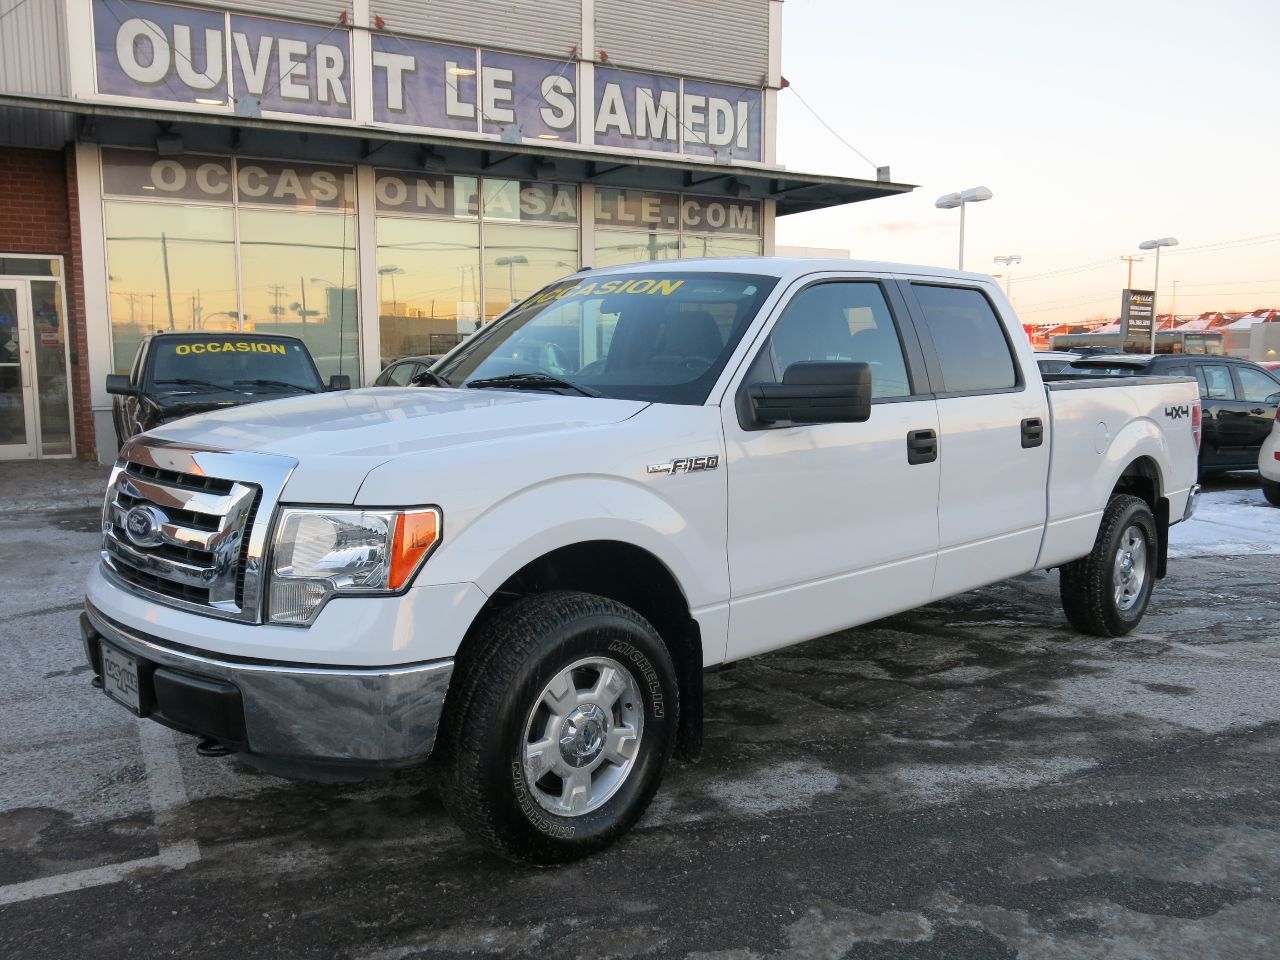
<point>224,62</point>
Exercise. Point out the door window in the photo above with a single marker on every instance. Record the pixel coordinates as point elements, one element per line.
<point>1215,382</point>
<point>838,321</point>
<point>13,414</point>
<point>1256,386</point>
<point>972,349</point>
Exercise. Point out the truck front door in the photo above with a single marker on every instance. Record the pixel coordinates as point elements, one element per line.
<point>836,523</point>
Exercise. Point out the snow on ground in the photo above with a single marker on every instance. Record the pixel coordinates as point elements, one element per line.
<point>1228,523</point>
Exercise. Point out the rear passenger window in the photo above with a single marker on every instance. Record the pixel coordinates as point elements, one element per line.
<point>1215,382</point>
<point>969,338</point>
<point>841,320</point>
<point>1256,386</point>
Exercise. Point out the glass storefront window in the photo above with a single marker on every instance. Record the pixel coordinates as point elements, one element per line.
<point>616,247</point>
<point>520,260</point>
<point>428,284</point>
<point>298,273</point>
<point>170,267</point>
<point>717,246</point>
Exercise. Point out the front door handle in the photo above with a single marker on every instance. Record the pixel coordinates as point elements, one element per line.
<point>922,446</point>
<point>1032,432</point>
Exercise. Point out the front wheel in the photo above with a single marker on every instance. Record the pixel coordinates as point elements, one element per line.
<point>1106,593</point>
<point>558,727</point>
<point>1271,490</point>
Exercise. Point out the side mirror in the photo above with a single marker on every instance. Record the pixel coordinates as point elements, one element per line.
<point>118,384</point>
<point>1272,400</point>
<point>339,381</point>
<point>815,391</point>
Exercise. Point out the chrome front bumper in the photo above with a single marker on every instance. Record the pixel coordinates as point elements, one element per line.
<point>381,716</point>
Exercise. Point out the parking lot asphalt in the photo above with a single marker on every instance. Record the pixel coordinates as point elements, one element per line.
<point>968,780</point>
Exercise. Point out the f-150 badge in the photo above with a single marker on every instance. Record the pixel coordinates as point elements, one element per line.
<point>686,465</point>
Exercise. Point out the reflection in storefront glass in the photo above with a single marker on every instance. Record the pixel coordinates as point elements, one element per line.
<point>298,273</point>
<point>170,267</point>
<point>616,247</point>
<point>519,260</point>
<point>49,346</point>
<point>428,284</point>
<point>716,246</point>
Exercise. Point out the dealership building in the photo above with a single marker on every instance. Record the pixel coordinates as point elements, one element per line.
<point>379,178</point>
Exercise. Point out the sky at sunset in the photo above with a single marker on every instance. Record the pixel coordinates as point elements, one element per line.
<point>1096,126</point>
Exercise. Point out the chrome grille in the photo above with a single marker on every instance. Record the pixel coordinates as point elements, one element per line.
<point>204,534</point>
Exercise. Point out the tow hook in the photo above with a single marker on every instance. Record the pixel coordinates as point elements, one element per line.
<point>212,748</point>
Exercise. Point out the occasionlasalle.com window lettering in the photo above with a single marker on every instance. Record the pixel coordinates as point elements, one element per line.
<point>211,179</point>
<point>159,51</point>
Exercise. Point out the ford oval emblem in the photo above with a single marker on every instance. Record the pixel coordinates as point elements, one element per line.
<point>142,525</point>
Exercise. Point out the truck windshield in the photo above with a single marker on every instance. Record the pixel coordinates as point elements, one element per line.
<point>233,363</point>
<point>662,337</point>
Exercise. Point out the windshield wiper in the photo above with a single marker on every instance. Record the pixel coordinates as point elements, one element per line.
<point>192,382</point>
<point>532,381</point>
<point>429,378</point>
<point>263,382</point>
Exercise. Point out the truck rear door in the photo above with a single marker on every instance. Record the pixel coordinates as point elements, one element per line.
<point>993,426</point>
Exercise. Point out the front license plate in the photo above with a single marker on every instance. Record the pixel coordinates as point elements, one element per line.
<point>120,677</point>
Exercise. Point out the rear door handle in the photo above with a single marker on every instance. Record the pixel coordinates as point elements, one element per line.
<point>922,446</point>
<point>1032,432</point>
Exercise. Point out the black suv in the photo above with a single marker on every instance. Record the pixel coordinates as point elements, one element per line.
<point>1238,400</point>
<point>177,374</point>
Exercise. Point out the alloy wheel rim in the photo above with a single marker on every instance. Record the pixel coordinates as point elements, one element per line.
<point>582,736</point>
<point>1129,571</point>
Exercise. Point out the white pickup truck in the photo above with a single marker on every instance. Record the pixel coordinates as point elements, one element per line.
<point>524,564</point>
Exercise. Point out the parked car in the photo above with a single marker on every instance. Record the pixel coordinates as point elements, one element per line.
<point>400,373</point>
<point>1053,361</point>
<point>179,374</point>
<point>1269,465</point>
<point>1269,364</point>
<point>1238,398</point>
<point>526,572</point>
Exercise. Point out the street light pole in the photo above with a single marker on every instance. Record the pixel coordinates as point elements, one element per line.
<point>961,200</point>
<point>1008,261</point>
<point>1156,245</point>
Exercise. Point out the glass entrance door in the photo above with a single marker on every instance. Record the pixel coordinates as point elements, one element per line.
<point>17,413</point>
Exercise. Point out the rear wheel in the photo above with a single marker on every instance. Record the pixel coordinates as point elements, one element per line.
<point>1106,593</point>
<point>558,727</point>
<point>1271,490</point>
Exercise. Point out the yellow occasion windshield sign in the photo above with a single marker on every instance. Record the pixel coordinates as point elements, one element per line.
<point>640,286</point>
<point>228,346</point>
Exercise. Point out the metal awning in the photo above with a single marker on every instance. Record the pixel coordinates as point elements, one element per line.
<point>127,126</point>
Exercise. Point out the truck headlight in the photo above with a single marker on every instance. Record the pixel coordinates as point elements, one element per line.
<point>319,553</point>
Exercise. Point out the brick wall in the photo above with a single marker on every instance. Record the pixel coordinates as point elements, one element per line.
<point>41,215</point>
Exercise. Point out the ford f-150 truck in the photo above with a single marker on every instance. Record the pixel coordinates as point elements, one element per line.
<point>524,567</point>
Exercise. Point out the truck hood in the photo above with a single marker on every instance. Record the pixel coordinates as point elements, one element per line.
<point>337,438</point>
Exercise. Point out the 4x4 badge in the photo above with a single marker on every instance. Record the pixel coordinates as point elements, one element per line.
<point>686,464</point>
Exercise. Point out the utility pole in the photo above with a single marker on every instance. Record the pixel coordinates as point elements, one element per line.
<point>1131,261</point>
<point>277,291</point>
<point>168,286</point>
